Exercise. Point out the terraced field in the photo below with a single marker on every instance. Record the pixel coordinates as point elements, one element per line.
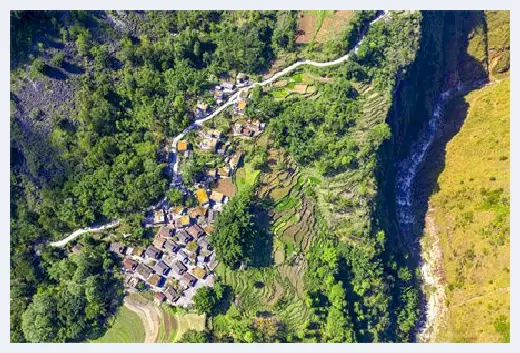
<point>127,327</point>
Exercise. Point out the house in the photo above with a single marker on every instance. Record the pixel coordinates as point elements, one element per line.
<point>171,245</point>
<point>161,268</point>
<point>210,280</point>
<point>211,173</point>
<point>219,95</point>
<point>204,244</point>
<point>202,196</point>
<point>242,80</point>
<point>182,145</point>
<point>191,249</point>
<point>240,106</point>
<point>138,252</point>
<point>179,269</point>
<point>182,255</point>
<point>223,172</point>
<point>187,281</point>
<point>210,229</point>
<point>209,144</point>
<point>171,294</point>
<point>183,236</point>
<point>143,271</point>
<point>227,87</point>
<point>129,264</point>
<point>159,242</point>
<point>117,248</point>
<point>213,263</point>
<point>132,282</point>
<point>159,217</point>
<point>201,110</point>
<point>76,248</point>
<point>159,298</point>
<point>217,197</point>
<point>188,154</point>
<point>165,232</point>
<point>156,280</point>
<point>211,216</point>
<point>201,221</point>
<point>195,231</point>
<point>152,252</point>
<point>179,210</point>
<point>214,133</point>
<point>199,272</point>
<point>129,251</point>
<point>197,211</point>
<point>235,160</point>
<point>201,259</point>
<point>182,222</point>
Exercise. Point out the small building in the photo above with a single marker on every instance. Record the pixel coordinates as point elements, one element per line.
<point>159,298</point>
<point>182,255</point>
<point>204,244</point>
<point>138,252</point>
<point>209,144</point>
<point>235,160</point>
<point>242,80</point>
<point>201,110</point>
<point>152,252</point>
<point>158,242</point>
<point>195,231</point>
<point>217,197</point>
<point>76,248</point>
<point>197,211</point>
<point>214,133</point>
<point>188,154</point>
<point>202,196</point>
<point>201,259</point>
<point>165,232</point>
<point>179,269</point>
<point>228,87</point>
<point>219,95</point>
<point>171,245</point>
<point>240,106</point>
<point>210,229</point>
<point>159,217</point>
<point>171,295</point>
<point>143,271</point>
<point>129,251</point>
<point>184,237</point>
<point>182,145</point>
<point>191,249</point>
<point>117,248</point>
<point>213,263</point>
<point>182,222</point>
<point>211,216</point>
<point>223,172</point>
<point>156,280</point>
<point>129,264</point>
<point>211,173</point>
<point>161,268</point>
<point>199,272</point>
<point>187,281</point>
<point>132,282</point>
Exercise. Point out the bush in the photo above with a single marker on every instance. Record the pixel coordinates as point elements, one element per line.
<point>58,59</point>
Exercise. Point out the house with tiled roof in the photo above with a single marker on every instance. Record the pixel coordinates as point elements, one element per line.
<point>202,196</point>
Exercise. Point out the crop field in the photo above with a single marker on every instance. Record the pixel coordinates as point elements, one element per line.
<point>126,327</point>
<point>320,26</point>
<point>300,84</point>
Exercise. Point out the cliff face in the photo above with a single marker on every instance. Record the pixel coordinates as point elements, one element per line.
<point>452,51</point>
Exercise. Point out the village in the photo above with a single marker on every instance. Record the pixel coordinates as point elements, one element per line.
<point>180,259</point>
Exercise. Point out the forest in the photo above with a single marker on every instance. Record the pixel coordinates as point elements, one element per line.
<point>103,159</point>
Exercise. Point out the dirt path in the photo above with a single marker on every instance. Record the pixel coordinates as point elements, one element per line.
<point>150,316</point>
<point>469,300</point>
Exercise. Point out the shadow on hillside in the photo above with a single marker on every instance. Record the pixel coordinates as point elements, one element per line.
<point>458,67</point>
<point>54,73</point>
<point>73,69</point>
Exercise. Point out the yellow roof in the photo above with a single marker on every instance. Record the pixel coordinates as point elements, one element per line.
<point>185,220</point>
<point>202,196</point>
<point>242,104</point>
<point>182,145</point>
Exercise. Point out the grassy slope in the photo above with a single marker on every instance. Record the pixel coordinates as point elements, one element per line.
<point>126,328</point>
<point>474,226</point>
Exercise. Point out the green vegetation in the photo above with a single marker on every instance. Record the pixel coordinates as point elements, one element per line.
<point>472,201</point>
<point>80,294</point>
<point>126,327</point>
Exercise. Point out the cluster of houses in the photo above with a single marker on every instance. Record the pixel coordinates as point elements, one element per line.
<point>178,262</point>
<point>252,128</point>
<point>223,90</point>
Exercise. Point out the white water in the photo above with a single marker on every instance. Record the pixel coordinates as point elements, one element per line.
<point>176,178</point>
<point>407,171</point>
